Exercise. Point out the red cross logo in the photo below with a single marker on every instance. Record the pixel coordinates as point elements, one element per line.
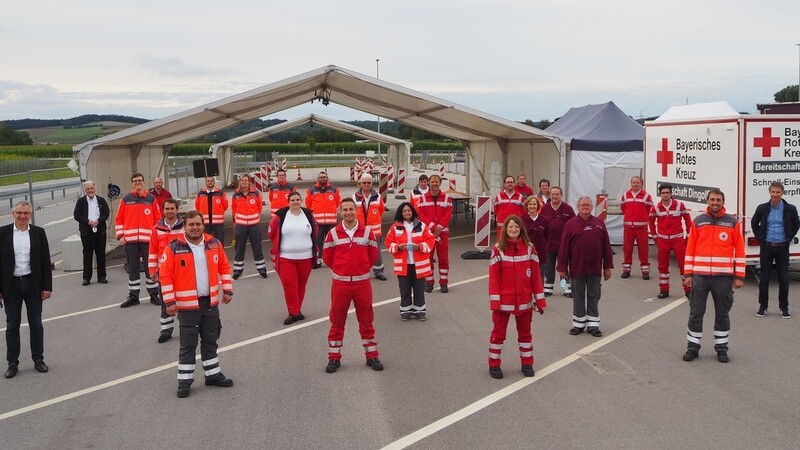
<point>766,142</point>
<point>664,156</point>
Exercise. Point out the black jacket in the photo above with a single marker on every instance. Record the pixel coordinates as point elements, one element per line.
<point>41,270</point>
<point>81,215</point>
<point>791,222</point>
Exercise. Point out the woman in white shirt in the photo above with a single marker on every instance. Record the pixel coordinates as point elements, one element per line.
<point>293,232</point>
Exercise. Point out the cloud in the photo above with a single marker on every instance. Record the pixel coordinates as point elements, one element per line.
<point>175,67</point>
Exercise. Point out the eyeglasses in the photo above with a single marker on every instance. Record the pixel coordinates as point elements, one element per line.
<point>366,182</point>
<point>138,180</point>
<point>22,213</point>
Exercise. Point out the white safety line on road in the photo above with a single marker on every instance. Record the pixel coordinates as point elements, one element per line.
<point>56,222</point>
<point>468,410</point>
<point>154,370</point>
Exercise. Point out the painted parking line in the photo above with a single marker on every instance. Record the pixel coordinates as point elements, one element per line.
<point>142,374</point>
<point>483,403</point>
<point>101,308</point>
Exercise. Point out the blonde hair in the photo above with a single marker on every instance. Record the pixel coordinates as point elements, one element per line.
<point>531,199</point>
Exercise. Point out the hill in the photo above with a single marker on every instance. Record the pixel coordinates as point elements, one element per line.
<point>86,119</point>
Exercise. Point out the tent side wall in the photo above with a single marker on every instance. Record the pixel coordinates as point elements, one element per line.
<point>489,165</point>
<point>592,172</point>
<point>114,165</point>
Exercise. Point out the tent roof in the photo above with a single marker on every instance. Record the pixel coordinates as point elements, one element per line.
<point>602,127</point>
<point>328,84</point>
<point>699,111</point>
<point>362,133</point>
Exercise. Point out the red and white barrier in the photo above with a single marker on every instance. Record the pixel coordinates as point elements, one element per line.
<point>441,169</point>
<point>283,164</point>
<point>401,183</point>
<point>452,184</point>
<point>483,222</point>
<point>352,173</point>
<point>260,180</point>
<point>299,178</point>
<point>390,171</point>
<point>269,171</point>
<point>383,186</point>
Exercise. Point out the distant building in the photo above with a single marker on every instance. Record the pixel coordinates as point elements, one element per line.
<point>779,108</point>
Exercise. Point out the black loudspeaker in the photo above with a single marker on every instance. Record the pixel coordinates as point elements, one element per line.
<point>205,168</point>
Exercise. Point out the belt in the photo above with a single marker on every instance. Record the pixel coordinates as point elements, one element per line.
<point>775,244</point>
<point>23,277</point>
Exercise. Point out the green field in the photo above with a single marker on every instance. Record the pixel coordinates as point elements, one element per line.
<point>72,135</point>
<point>37,176</point>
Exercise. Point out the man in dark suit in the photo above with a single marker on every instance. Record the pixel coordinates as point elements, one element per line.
<point>26,275</point>
<point>91,213</point>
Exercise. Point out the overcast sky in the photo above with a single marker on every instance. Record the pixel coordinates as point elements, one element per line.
<point>515,59</point>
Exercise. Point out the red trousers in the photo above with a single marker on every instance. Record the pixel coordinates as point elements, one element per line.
<point>677,246</point>
<point>525,338</point>
<point>294,275</point>
<point>441,250</point>
<point>639,235</point>
<point>360,293</point>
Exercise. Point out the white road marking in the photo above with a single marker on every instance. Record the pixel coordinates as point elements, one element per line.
<point>468,410</point>
<point>136,376</point>
<point>56,222</point>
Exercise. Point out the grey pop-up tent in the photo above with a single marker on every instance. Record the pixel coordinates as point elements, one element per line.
<point>605,151</point>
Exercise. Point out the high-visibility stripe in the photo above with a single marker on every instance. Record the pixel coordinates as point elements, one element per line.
<point>350,278</point>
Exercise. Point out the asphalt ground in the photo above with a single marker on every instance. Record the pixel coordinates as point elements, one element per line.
<point>111,385</point>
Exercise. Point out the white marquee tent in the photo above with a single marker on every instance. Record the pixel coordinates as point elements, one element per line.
<point>495,146</point>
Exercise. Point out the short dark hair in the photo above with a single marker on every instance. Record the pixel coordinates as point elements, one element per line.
<point>172,201</point>
<point>544,180</point>
<point>136,175</point>
<point>434,176</point>
<point>423,177</point>
<point>715,191</point>
<point>294,193</point>
<point>665,186</point>
<point>280,170</point>
<point>398,216</point>
<point>192,214</point>
<point>776,184</point>
<point>346,200</point>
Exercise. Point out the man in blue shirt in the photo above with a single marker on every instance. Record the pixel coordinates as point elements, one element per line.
<point>775,223</point>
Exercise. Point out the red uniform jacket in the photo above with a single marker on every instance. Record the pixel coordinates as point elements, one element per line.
<point>160,197</point>
<point>514,281</point>
<point>324,203</point>
<point>279,195</point>
<point>665,222</point>
<point>178,279</point>
<point>350,259</point>
<point>636,208</point>
<point>506,205</point>
<point>136,217</point>
<point>247,207</point>
<point>219,204</point>
<point>421,235</point>
<point>715,247</point>
<point>162,235</point>
<point>435,211</point>
<point>369,210</point>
